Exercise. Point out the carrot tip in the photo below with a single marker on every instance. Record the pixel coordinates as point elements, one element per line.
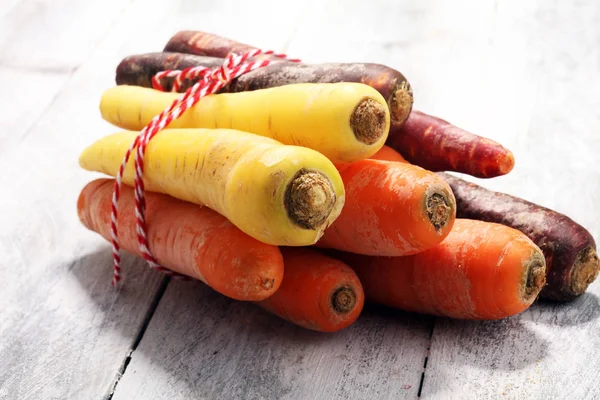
<point>343,299</point>
<point>507,165</point>
<point>536,277</point>
<point>585,270</point>
<point>368,121</point>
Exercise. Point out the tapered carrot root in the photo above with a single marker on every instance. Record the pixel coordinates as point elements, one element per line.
<point>571,260</point>
<point>188,239</point>
<point>391,209</point>
<point>317,292</point>
<point>480,271</point>
<point>205,44</point>
<point>344,121</point>
<point>437,145</point>
<point>282,195</point>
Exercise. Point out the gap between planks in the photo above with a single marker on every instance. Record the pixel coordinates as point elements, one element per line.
<point>139,335</point>
<point>426,358</point>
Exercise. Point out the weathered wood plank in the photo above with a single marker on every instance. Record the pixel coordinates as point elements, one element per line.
<point>65,332</point>
<point>55,35</point>
<point>19,108</point>
<point>200,344</point>
<point>548,352</point>
<point>539,88</point>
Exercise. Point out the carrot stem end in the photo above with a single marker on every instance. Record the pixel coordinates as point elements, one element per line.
<point>440,209</point>
<point>368,121</point>
<point>585,270</point>
<point>343,299</point>
<point>536,277</point>
<point>309,199</point>
<point>400,104</point>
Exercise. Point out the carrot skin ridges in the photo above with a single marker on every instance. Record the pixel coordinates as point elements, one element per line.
<point>205,44</point>
<point>480,271</point>
<point>570,250</point>
<point>317,292</point>
<point>188,239</point>
<point>391,209</point>
<point>391,84</point>
<point>437,145</point>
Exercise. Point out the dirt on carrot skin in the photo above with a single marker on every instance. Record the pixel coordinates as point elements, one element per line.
<point>585,270</point>
<point>535,277</point>
<point>343,299</point>
<point>401,103</point>
<point>368,121</point>
<point>439,209</point>
<point>309,199</point>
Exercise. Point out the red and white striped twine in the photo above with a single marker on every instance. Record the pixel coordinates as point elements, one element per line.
<point>212,81</point>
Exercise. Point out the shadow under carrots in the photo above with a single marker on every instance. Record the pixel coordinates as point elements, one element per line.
<point>202,343</point>
<point>582,310</point>
<point>508,344</point>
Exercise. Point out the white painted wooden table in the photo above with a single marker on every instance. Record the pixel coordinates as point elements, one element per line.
<point>524,73</point>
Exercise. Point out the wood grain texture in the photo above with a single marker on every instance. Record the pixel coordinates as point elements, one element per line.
<point>548,352</point>
<point>55,35</point>
<point>202,345</point>
<point>17,112</point>
<point>64,332</point>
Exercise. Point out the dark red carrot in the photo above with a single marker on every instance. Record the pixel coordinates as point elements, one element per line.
<point>393,86</point>
<point>571,260</point>
<point>437,145</point>
<point>317,292</point>
<point>481,270</point>
<point>188,239</point>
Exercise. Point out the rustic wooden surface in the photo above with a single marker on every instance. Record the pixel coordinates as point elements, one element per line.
<point>523,73</point>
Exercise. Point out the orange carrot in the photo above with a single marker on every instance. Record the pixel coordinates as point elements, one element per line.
<point>317,292</point>
<point>572,262</point>
<point>391,209</point>
<point>481,270</point>
<point>188,239</point>
<point>386,153</point>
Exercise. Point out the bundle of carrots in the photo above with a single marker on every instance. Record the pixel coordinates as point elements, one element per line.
<point>309,188</point>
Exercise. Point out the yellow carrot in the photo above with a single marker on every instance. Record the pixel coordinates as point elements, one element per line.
<point>344,121</point>
<point>278,194</point>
